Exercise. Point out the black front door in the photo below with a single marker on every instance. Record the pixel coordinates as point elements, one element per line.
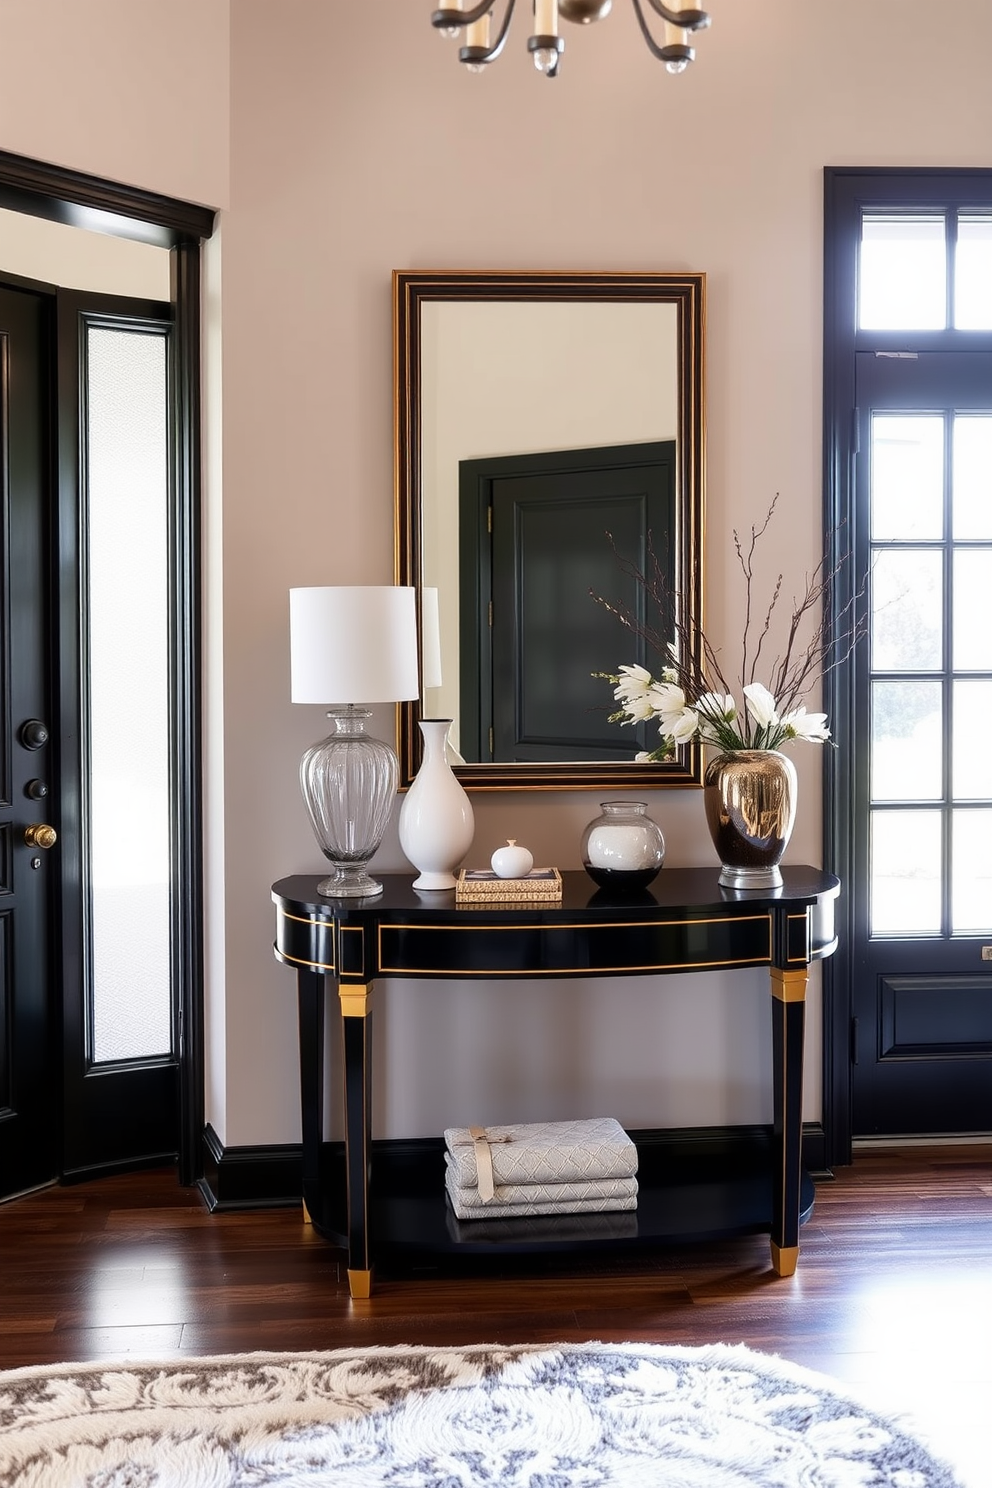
<point>922,884</point>
<point>89,1063</point>
<point>29,860</point>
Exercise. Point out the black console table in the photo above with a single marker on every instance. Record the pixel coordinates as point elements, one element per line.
<point>684,922</point>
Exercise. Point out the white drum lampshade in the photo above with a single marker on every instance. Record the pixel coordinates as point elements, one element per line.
<point>351,646</point>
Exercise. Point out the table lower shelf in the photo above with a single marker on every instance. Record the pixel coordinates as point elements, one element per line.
<point>691,1190</point>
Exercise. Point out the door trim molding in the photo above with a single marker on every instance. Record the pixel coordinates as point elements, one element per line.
<point>79,200</point>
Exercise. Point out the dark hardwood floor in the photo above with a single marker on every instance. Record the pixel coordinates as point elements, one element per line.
<point>893,1294</point>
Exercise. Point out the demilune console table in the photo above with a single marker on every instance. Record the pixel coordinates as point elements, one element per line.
<point>384,1199</point>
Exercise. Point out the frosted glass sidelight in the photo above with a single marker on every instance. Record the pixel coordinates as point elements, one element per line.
<point>907,610</point>
<point>905,873</point>
<point>907,476</point>
<point>903,274</point>
<point>971,871</point>
<point>906,745</point>
<point>973,274</point>
<point>127,644</point>
<point>972,481</point>
<point>972,628</point>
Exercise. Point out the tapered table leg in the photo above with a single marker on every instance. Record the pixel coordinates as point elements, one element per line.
<point>788,1022</point>
<point>356,1018</point>
<point>311,993</point>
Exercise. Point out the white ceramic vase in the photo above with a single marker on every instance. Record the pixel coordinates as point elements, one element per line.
<point>437,822</point>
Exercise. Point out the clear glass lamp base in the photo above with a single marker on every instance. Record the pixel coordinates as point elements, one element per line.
<point>349,784</point>
<point>349,881</point>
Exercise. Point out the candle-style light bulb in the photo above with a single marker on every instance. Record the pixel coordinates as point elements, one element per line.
<point>477,35</point>
<point>545,24</point>
<point>676,36</point>
<point>454,30</point>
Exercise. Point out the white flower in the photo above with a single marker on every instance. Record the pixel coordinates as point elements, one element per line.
<point>809,726</point>
<point>761,705</point>
<point>633,682</point>
<point>667,699</point>
<point>633,693</point>
<point>716,706</point>
<point>681,728</point>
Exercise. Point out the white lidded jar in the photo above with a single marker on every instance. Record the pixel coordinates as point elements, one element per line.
<point>512,861</point>
<point>623,846</point>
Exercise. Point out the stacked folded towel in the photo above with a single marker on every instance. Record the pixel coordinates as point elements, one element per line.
<point>552,1167</point>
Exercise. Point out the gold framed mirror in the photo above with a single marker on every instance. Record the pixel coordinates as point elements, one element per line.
<point>545,425</point>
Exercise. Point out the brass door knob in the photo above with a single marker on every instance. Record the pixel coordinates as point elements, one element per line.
<point>38,835</point>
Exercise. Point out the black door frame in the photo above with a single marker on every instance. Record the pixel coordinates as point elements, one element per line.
<point>848,192</point>
<point>79,200</point>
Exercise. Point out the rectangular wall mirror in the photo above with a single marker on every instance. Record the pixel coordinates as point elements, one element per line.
<point>544,425</point>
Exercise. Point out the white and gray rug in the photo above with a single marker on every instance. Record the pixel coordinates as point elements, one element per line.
<point>562,1416</point>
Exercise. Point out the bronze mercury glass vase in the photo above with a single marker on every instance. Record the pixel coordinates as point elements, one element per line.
<point>750,799</point>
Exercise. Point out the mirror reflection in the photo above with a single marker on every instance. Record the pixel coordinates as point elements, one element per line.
<point>543,421</point>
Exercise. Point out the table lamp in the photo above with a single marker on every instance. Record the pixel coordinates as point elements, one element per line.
<point>351,646</point>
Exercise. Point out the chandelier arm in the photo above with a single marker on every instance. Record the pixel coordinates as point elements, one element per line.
<point>461,18</point>
<point>688,20</point>
<point>664,53</point>
<point>475,54</point>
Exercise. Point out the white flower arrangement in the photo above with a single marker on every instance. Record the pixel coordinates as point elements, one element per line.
<point>714,716</point>
<point>690,697</point>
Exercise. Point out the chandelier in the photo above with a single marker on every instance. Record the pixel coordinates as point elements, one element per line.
<point>546,46</point>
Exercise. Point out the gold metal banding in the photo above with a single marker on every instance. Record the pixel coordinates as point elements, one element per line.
<point>314,923</point>
<point>355,1001</point>
<point>585,970</point>
<point>805,918</point>
<point>788,985</point>
<point>348,950</point>
<point>305,919</point>
<point>785,1259</point>
<point>360,1283</point>
<point>299,961</point>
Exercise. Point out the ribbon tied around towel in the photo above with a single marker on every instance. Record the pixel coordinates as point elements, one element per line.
<point>484,1161</point>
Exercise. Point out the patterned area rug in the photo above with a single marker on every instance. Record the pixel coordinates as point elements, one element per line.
<point>563,1416</point>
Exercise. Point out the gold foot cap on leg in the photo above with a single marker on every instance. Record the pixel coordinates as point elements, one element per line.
<point>785,1258</point>
<point>360,1283</point>
<point>306,1214</point>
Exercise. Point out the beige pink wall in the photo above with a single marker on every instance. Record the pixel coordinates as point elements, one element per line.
<point>356,146</point>
<point>135,92</point>
<point>359,146</point>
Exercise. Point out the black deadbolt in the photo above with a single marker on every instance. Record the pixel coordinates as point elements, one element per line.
<point>36,789</point>
<point>33,734</point>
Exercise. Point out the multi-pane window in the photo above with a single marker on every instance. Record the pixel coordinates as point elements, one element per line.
<point>931,671</point>
<point>925,271</point>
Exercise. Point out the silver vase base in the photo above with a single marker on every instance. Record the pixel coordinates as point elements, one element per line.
<point>750,878</point>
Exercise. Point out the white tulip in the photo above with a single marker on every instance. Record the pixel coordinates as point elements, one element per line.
<point>681,729</point>
<point>761,705</point>
<point>666,698</point>
<point>633,682</point>
<point>717,707</point>
<point>809,726</point>
<point>638,708</point>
